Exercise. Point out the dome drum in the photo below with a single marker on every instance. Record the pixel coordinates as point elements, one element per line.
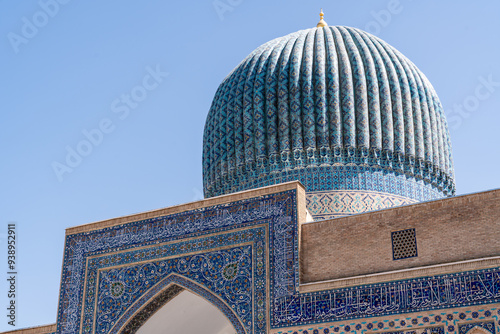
<point>228,181</point>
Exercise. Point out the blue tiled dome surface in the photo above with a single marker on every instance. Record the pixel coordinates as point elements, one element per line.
<point>334,107</point>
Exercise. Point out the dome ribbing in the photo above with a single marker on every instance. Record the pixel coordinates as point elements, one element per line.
<point>331,107</point>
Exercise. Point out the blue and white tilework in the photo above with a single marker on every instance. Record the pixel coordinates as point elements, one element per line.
<point>413,295</point>
<point>489,326</point>
<point>328,107</point>
<point>457,321</point>
<point>339,203</point>
<point>225,274</point>
<point>243,257</point>
<point>105,272</point>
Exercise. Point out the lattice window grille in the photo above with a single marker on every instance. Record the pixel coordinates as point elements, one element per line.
<point>404,244</point>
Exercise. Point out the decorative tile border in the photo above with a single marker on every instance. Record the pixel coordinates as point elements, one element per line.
<point>345,178</point>
<point>398,297</point>
<point>338,203</point>
<point>224,274</point>
<point>141,269</point>
<point>452,321</point>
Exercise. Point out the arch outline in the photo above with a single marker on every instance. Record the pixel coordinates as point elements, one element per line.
<point>164,286</point>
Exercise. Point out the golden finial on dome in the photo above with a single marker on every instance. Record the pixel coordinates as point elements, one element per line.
<point>321,22</point>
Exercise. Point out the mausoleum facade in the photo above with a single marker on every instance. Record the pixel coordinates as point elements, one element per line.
<point>330,208</point>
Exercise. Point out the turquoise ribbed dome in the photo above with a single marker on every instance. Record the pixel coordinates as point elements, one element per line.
<point>334,107</point>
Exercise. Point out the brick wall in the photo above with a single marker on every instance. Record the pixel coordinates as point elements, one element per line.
<point>449,230</point>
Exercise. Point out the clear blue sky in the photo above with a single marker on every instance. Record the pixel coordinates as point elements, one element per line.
<point>68,75</point>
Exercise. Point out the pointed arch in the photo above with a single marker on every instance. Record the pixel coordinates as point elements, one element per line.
<point>160,294</point>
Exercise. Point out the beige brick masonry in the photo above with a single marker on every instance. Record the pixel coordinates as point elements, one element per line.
<point>449,230</point>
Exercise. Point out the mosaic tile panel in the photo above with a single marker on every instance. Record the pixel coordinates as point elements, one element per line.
<point>334,204</point>
<point>227,273</point>
<point>130,316</point>
<point>88,253</point>
<point>420,294</point>
<point>487,325</point>
<point>455,321</point>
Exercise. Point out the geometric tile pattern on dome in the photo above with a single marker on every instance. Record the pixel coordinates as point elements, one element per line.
<point>404,244</point>
<point>333,204</point>
<point>345,178</point>
<point>324,97</point>
<point>252,243</point>
<point>404,189</point>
